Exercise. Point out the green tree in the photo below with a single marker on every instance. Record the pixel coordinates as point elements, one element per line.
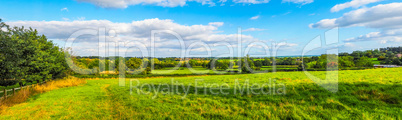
<point>346,61</point>
<point>258,63</point>
<point>249,67</point>
<point>134,63</point>
<point>224,66</point>
<point>390,55</point>
<point>192,63</point>
<point>29,56</point>
<point>364,62</point>
<point>396,61</point>
<point>267,62</point>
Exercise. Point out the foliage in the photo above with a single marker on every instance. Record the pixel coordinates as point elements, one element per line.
<point>267,62</point>
<point>364,62</point>
<point>247,65</point>
<point>134,63</point>
<point>25,55</point>
<point>8,82</point>
<point>346,61</point>
<point>258,63</point>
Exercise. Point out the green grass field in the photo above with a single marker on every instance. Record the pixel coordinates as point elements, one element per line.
<point>281,67</point>
<point>185,70</point>
<point>375,61</point>
<point>201,70</point>
<point>363,94</point>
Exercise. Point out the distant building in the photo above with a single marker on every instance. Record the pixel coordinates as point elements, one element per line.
<point>398,55</point>
<point>386,66</point>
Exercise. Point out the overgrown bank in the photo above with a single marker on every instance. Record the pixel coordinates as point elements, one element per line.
<point>25,93</point>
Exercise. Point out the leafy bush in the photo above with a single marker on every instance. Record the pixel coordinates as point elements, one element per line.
<point>8,82</point>
<point>26,55</point>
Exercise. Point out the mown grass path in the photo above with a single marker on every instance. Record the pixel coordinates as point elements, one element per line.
<point>362,94</point>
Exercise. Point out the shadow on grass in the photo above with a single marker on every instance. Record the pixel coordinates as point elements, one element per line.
<point>364,95</point>
<point>358,100</point>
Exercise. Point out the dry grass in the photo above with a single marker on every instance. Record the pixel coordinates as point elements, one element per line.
<point>52,85</point>
<point>108,72</point>
<point>23,94</point>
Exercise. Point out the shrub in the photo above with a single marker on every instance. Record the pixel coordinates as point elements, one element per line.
<point>8,82</point>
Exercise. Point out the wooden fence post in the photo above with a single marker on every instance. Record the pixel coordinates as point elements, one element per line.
<point>5,93</point>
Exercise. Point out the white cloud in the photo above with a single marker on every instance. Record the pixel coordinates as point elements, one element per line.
<point>253,29</point>
<point>81,18</point>
<point>255,17</point>
<point>217,24</point>
<point>139,31</point>
<point>380,16</point>
<point>325,23</point>
<point>222,2</point>
<point>385,17</point>
<point>349,45</point>
<point>64,9</point>
<point>353,4</point>
<point>65,19</point>
<point>174,3</point>
<point>287,13</point>
<point>393,35</point>
<point>286,44</point>
<point>126,3</point>
<point>298,1</point>
<point>251,1</point>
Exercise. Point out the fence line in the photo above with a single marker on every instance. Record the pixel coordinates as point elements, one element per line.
<point>15,89</point>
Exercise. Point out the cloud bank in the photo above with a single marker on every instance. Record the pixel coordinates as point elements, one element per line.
<point>385,17</point>
<point>352,4</point>
<point>136,33</point>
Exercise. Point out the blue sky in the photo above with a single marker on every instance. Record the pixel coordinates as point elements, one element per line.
<point>295,22</point>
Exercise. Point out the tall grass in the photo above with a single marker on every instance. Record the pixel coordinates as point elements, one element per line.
<point>362,94</point>
<point>23,94</point>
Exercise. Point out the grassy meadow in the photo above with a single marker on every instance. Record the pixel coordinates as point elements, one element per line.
<point>201,70</point>
<point>182,70</point>
<point>375,61</point>
<point>362,94</point>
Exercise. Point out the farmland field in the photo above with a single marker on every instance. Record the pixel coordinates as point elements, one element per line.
<point>201,70</point>
<point>362,94</point>
<point>375,61</point>
<point>281,67</point>
<point>182,70</point>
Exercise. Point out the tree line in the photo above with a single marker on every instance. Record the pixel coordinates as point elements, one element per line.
<point>27,56</point>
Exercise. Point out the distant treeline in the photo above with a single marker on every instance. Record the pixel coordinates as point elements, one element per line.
<point>389,55</point>
<point>354,60</point>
